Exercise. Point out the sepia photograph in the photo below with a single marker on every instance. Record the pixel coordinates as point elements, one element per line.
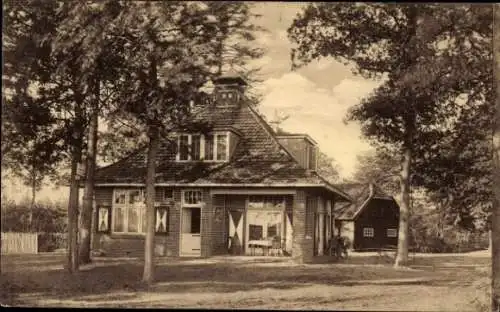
<point>339,156</point>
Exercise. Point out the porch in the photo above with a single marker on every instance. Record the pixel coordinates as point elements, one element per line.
<point>293,223</point>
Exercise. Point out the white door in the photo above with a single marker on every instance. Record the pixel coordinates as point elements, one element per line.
<point>191,232</point>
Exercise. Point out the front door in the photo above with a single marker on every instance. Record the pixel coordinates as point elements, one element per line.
<point>191,232</point>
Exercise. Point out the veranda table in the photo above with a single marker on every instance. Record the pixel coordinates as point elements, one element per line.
<point>264,244</point>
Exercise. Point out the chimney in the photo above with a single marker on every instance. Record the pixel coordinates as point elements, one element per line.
<point>229,90</point>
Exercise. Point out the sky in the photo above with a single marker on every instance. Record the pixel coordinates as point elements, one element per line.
<point>315,97</point>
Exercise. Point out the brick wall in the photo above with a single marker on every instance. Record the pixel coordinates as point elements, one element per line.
<point>220,225</point>
<point>133,245</point>
<point>303,228</point>
<point>207,230</point>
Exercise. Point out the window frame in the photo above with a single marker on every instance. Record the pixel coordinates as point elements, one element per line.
<point>126,207</point>
<point>196,205</point>
<point>202,153</point>
<point>390,230</point>
<point>367,231</point>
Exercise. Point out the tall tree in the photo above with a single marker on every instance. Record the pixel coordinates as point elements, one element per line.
<point>171,54</point>
<point>415,47</point>
<point>328,168</point>
<point>380,167</point>
<point>495,250</point>
<point>59,83</point>
<point>84,28</point>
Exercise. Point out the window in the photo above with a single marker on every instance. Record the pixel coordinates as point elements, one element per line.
<point>195,147</point>
<point>368,232</point>
<point>213,147</point>
<point>392,233</point>
<point>221,146</point>
<point>183,147</point>
<point>168,194</point>
<point>192,198</point>
<point>209,147</point>
<point>129,211</point>
<point>266,202</point>
<point>120,197</point>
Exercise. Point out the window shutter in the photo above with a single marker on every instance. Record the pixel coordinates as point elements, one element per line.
<point>103,219</point>
<point>162,216</point>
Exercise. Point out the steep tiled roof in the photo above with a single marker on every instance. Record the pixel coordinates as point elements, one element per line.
<point>359,192</point>
<point>259,158</point>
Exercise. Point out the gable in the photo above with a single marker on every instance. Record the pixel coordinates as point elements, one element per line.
<point>379,209</point>
<point>362,197</point>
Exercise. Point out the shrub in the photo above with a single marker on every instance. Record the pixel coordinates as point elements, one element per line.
<point>48,242</point>
<point>46,218</point>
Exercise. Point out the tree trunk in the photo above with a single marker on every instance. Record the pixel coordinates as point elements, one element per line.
<point>88,195</point>
<point>33,199</point>
<point>148,275</point>
<point>495,217</point>
<point>73,211</point>
<point>76,157</point>
<point>404,212</point>
<point>153,146</point>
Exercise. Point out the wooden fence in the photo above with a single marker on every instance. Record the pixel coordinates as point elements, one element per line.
<point>19,243</point>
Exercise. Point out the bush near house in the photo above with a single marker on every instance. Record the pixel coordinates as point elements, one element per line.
<point>49,221</point>
<point>452,240</point>
<point>48,242</point>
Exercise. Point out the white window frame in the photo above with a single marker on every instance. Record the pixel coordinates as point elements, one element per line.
<point>368,232</point>
<point>202,147</point>
<point>199,204</point>
<point>141,231</point>
<point>392,232</point>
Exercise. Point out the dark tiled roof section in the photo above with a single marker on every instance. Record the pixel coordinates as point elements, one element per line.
<point>256,147</point>
<point>359,192</point>
<point>239,172</point>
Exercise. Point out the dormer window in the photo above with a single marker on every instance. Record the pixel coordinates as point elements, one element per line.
<point>222,146</point>
<point>196,147</point>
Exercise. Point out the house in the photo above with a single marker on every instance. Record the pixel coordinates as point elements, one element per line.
<point>226,191</point>
<point>371,221</point>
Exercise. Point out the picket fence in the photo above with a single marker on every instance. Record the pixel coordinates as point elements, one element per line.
<point>19,243</point>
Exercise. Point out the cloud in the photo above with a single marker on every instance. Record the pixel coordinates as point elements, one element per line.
<point>319,112</point>
<point>350,91</point>
<point>323,64</point>
<point>260,62</point>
